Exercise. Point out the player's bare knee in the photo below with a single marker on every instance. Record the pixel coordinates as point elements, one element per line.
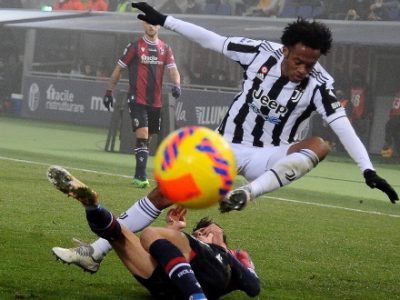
<point>315,144</point>
<point>320,147</point>
<point>148,236</point>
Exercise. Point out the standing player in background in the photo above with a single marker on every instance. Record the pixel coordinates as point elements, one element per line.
<point>392,130</point>
<point>282,85</point>
<point>360,114</point>
<point>145,60</point>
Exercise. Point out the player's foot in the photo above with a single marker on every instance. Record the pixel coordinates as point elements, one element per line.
<point>71,186</point>
<point>142,184</point>
<point>235,200</point>
<point>81,256</point>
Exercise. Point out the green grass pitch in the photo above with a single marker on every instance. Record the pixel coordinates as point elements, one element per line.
<point>326,236</point>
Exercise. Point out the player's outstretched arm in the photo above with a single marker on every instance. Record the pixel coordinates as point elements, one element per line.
<point>357,151</point>
<point>374,181</point>
<point>205,38</point>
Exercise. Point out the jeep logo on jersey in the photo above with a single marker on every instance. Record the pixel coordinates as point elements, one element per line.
<point>269,103</point>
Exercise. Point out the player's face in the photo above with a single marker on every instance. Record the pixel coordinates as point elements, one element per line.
<point>151,30</point>
<point>209,234</point>
<point>299,61</point>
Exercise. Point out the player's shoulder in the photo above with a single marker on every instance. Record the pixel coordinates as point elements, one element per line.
<point>320,75</point>
<point>270,46</point>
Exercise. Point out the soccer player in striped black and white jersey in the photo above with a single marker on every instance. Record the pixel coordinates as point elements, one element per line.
<point>282,85</point>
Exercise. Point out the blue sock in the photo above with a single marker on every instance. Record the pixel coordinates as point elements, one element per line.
<point>177,268</point>
<point>103,223</point>
<point>141,162</point>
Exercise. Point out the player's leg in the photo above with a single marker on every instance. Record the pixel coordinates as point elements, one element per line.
<point>387,150</point>
<point>171,249</point>
<point>102,222</point>
<point>140,215</point>
<point>141,155</point>
<point>396,135</point>
<point>140,125</point>
<point>274,169</point>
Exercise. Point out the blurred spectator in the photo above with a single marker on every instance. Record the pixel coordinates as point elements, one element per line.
<point>186,75</point>
<point>382,10</point>
<point>361,8</point>
<point>378,11</point>
<point>60,5</point>
<point>193,7</point>
<point>361,113</point>
<point>87,70</point>
<point>124,6</point>
<point>392,130</point>
<point>264,8</point>
<point>352,15</point>
<point>102,70</point>
<point>99,5</point>
<point>76,69</point>
<point>69,5</point>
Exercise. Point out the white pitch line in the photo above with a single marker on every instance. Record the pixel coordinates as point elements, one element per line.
<point>371,212</point>
<point>268,197</point>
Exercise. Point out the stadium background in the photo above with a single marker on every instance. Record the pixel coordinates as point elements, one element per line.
<point>64,58</point>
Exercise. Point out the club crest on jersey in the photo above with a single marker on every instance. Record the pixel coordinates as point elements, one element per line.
<point>263,72</point>
<point>297,94</point>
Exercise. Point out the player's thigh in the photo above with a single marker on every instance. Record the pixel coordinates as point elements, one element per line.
<point>254,161</point>
<point>139,116</point>
<point>131,252</point>
<point>151,234</point>
<point>154,119</point>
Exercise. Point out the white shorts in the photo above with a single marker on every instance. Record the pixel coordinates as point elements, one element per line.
<point>254,161</point>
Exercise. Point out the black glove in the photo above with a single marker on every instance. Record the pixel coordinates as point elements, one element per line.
<point>150,15</point>
<point>374,181</point>
<point>176,91</point>
<point>108,100</point>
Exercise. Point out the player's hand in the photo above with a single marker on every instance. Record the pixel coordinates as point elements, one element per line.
<point>176,91</point>
<point>176,218</point>
<point>243,257</point>
<point>108,100</point>
<point>374,181</point>
<point>150,15</point>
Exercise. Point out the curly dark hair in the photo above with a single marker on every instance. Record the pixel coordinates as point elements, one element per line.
<point>206,221</point>
<point>313,34</point>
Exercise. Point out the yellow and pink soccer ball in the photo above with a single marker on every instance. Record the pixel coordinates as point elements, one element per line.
<point>194,167</point>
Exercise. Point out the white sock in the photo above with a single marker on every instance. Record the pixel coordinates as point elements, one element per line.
<point>138,216</point>
<point>286,170</point>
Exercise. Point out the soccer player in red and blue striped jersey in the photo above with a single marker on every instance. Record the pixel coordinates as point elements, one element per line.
<point>145,60</point>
